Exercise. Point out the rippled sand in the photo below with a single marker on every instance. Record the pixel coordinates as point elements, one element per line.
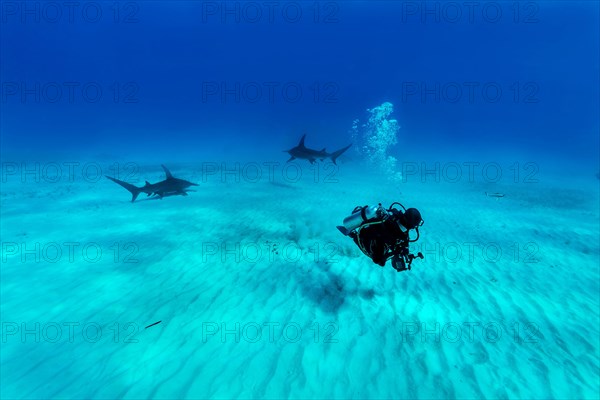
<point>260,296</point>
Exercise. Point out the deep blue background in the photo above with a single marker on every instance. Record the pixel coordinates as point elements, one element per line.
<point>357,53</point>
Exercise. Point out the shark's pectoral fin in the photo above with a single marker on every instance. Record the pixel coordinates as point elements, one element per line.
<point>312,160</point>
<point>291,158</point>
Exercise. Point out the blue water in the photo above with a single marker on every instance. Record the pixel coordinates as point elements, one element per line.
<point>484,116</point>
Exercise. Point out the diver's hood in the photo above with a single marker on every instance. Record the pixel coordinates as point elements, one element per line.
<point>413,218</point>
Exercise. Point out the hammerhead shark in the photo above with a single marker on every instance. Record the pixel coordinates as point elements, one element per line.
<point>304,153</point>
<point>169,187</point>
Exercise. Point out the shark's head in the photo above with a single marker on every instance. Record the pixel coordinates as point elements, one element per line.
<point>182,183</point>
<point>188,183</point>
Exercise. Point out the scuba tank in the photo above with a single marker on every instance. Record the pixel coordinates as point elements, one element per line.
<point>406,219</point>
<point>362,214</point>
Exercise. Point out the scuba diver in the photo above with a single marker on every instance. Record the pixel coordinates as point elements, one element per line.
<point>383,234</point>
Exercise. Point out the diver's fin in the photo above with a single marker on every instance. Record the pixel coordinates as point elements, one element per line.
<point>343,229</point>
<point>135,191</point>
<point>338,153</point>
<point>167,172</point>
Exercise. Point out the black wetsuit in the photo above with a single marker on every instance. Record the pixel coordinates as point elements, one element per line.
<point>381,239</point>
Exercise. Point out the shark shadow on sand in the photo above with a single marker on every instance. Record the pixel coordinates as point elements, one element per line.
<point>328,290</point>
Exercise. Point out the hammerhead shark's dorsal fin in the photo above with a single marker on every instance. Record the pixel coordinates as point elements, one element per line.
<point>167,172</point>
<point>147,183</point>
<point>324,150</point>
<point>301,144</point>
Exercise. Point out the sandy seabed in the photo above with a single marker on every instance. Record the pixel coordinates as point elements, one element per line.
<point>259,296</point>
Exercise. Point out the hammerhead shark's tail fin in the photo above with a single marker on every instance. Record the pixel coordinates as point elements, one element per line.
<point>135,191</point>
<point>338,153</point>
